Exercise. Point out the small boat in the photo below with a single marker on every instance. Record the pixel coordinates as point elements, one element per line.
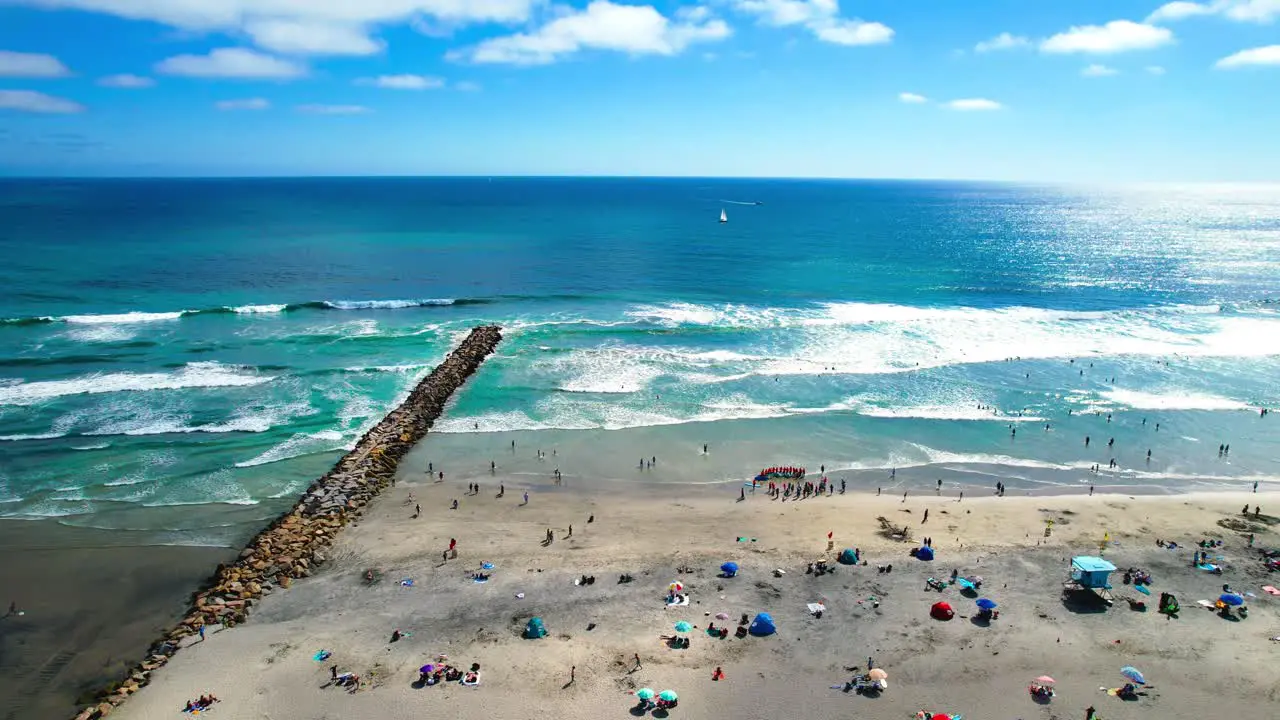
<point>724,218</point>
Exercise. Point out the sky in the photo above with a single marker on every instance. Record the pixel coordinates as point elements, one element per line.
<point>1039,90</point>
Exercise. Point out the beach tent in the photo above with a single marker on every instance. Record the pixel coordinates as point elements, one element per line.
<point>848,557</point>
<point>926,553</point>
<point>535,629</point>
<point>730,569</point>
<point>942,611</point>
<point>762,625</point>
<point>1092,572</point>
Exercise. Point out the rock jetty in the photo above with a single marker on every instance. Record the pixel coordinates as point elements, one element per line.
<point>292,546</point>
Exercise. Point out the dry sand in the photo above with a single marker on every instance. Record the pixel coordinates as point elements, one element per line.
<point>1199,665</point>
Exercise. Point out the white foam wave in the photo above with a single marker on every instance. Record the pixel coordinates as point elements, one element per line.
<point>384,304</point>
<point>34,436</point>
<point>259,309</point>
<point>865,338</point>
<point>95,446</point>
<point>100,333</point>
<point>128,318</point>
<point>193,375</point>
<point>943,412</point>
<point>297,446</point>
<point>1172,400</point>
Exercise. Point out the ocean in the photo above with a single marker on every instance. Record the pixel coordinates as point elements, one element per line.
<point>183,357</point>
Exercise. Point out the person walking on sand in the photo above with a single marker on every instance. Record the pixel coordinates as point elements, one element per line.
<point>201,633</point>
<point>570,531</point>
<point>926,516</point>
<point>904,495</point>
<point>637,659</point>
<point>526,497</point>
<point>453,547</point>
<point>573,669</point>
<point>1088,713</point>
<point>961,496</point>
<point>417,511</point>
<point>1090,491</point>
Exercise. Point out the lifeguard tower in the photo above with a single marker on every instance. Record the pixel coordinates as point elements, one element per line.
<point>1092,574</point>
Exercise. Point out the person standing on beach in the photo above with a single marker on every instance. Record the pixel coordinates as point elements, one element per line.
<point>570,531</point>
<point>201,633</point>
<point>1255,489</point>
<point>1090,491</point>
<point>417,511</point>
<point>1088,713</point>
<point>637,667</point>
<point>904,496</point>
<point>1255,486</point>
<point>961,496</point>
<point>526,497</point>
<point>926,516</point>
<point>453,547</point>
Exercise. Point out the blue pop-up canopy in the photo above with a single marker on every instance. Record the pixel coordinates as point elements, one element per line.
<point>763,625</point>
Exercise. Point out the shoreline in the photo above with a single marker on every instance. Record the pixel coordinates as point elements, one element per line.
<point>289,546</point>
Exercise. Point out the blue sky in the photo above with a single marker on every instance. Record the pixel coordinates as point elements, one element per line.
<point>1081,90</point>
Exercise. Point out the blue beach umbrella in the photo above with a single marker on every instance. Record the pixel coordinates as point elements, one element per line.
<point>645,693</point>
<point>1232,599</point>
<point>1133,674</point>
<point>667,695</point>
<point>987,604</point>
<point>683,626</point>
<point>729,568</point>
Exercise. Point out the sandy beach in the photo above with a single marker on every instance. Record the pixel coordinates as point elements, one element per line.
<point>1198,664</point>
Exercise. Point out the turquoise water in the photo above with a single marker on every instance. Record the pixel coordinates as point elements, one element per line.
<point>188,355</point>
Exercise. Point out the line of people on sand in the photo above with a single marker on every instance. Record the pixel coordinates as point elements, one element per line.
<point>202,704</point>
<point>801,490</point>
<point>786,473</point>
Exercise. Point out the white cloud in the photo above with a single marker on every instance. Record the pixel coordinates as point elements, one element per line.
<point>820,17</point>
<point>304,26</point>
<point>913,98</point>
<point>602,25</point>
<point>1116,36</point>
<point>1179,10</point>
<point>403,82</point>
<point>231,63</point>
<point>126,80</point>
<point>974,104</point>
<point>1096,70</point>
<point>245,104</point>
<point>1155,70</point>
<point>31,65</point>
<point>36,102</point>
<point>467,86</point>
<point>1003,41</point>
<point>1257,11</point>
<point>334,109</point>
<point>311,38</point>
<point>1266,55</point>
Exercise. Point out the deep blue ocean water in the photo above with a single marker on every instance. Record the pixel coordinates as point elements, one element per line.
<point>212,345</point>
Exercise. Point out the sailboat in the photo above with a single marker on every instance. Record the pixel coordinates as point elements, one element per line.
<point>723,217</point>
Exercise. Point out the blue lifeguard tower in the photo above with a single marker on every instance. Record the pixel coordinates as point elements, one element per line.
<point>1092,574</point>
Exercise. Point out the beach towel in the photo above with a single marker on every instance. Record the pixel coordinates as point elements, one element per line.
<point>815,608</point>
<point>407,582</point>
<point>321,655</point>
<point>679,603</point>
<point>1270,590</point>
<point>1142,589</point>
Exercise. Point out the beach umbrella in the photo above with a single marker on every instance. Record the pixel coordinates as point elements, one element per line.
<point>668,695</point>
<point>645,693</point>
<point>940,716</point>
<point>729,568</point>
<point>676,586</point>
<point>987,604</point>
<point>878,674</point>
<point>722,616</point>
<point>426,668</point>
<point>1045,680</point>
<point>1232,599</point>
<point>1133,674</point>
<point>683,626</point>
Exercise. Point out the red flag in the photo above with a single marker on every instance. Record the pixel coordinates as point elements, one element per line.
<point>829,534</point>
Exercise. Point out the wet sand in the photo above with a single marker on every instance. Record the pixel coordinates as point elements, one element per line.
<point>92,600</point>
<point>1199,665</point>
